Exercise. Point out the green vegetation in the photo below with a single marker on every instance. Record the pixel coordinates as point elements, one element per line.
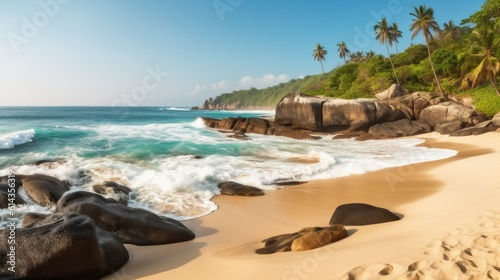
<point>456,60</point>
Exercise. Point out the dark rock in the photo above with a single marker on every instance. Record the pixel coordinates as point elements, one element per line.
<point>496,119</point>
<point>50,163</point>
<point>394,91</point>
<point>412,105</point>
<point>359,214</point>
<point>448,127</point>
<point>115,191</point>
<point>236,189</point>
<point>300,111</point>
<point>131,225</point>
<point>256,125</point>
<point>289,183</point>
<point>43,189</point>
<point>478,129</point>
<point>5,190</point>
<point>400,128</point>
<point>305,239</point>
<point>64,247</point>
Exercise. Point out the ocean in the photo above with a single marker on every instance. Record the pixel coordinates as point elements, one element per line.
<point>170,160</point>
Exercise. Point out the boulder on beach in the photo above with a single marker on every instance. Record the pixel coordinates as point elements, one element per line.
<point>448,127</point>
<point>393,91</point>
<point>131,225</point>
<point>359,214</point>
<point>115,191</point>
<point>305,239</point>
<point>448,111</point>
<point>43,189</point>
<point>400,128</point>
<point>496,119</point>
<point>237,189</point>
<point>358,113</point>
<point>300,111</point>
<point>64,247</point>
<point>481,128</point>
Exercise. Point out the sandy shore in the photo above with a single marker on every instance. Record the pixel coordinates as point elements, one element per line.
<point>448,206</point>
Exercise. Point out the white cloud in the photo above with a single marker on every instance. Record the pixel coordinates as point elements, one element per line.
<point>301,77</point>
<point>262,82</point>
<point>221,86</point>
<point>198,89</point>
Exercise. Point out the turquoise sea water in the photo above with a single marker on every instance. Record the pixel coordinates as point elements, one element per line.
<point>171,161</point>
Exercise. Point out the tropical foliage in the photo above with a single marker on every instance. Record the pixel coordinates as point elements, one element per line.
<point>462,60</point>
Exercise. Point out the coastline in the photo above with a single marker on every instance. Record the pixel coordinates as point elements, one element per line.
<point>434,197</point>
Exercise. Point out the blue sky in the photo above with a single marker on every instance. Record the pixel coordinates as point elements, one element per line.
<point>179,53</point>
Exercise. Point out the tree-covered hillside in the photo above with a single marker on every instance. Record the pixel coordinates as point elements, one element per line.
<point>463,61</point>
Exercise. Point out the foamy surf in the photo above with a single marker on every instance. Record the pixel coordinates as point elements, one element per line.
<point>10,140</point>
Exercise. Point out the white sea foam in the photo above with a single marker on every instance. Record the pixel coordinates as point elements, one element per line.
<point>182,186</point>
<point>9,141</point>
<point>174,109</point>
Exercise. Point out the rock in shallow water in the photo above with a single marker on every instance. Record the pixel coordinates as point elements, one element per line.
<point>64,247</point>
<point>131,225</point>
<point>359,214</point>
<point>237,189</point>
<point>43,189</point>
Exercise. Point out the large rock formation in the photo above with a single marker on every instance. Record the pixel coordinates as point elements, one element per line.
<point>448,111</point>
<point>358,113</point>
<point>394,91</point>
<point>257,126</point>
<point>481,128</point>
<point>132,225</point>
<point>113,190</point>
<point>300,111</point>
<point>43,189</point>
<point>358,214</point>
<point>14,197</point>
<point>63,247</point>
<point>305,239</point>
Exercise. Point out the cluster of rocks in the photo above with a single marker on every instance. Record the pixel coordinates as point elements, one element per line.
<point>83,238</point>
<point>394,113</point>
<point>352,214</point>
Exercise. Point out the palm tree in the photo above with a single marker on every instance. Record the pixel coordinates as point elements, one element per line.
<point>370,54</point>
<point>397,34</point>
<point>450,31</point>
<point>385,35</point>
<point>343,50</point>
<point>319,55</point>
<point>424,22</point>
<point>489,66</point>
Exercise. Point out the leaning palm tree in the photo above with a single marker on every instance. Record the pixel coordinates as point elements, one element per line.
<point>384,33</point>
<point>483,52</point>
<point>424,22</point>
<point>343,50</point>
<point>397,34</point>
<point>319,55</point>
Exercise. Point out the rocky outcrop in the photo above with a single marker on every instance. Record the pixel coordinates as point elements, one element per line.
<point>43,189</point>
<point>131,225</point>
<point>5,200</point>
<point>400,128</point>
<point>412,105</point>
<point>305,239</point>
<point>359,214</point>
<point>300,111</point>
<point>448,127</point>
<point>63,247</point>
<point>448,111</point>
<point>481,128</point>
<point>236,189</point>
<point>394,91</point>
<point>357,113</point>
<point>115,191</point>
<point>257,126</point>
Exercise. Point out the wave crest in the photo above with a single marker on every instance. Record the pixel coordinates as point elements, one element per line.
<point>9,141</point>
